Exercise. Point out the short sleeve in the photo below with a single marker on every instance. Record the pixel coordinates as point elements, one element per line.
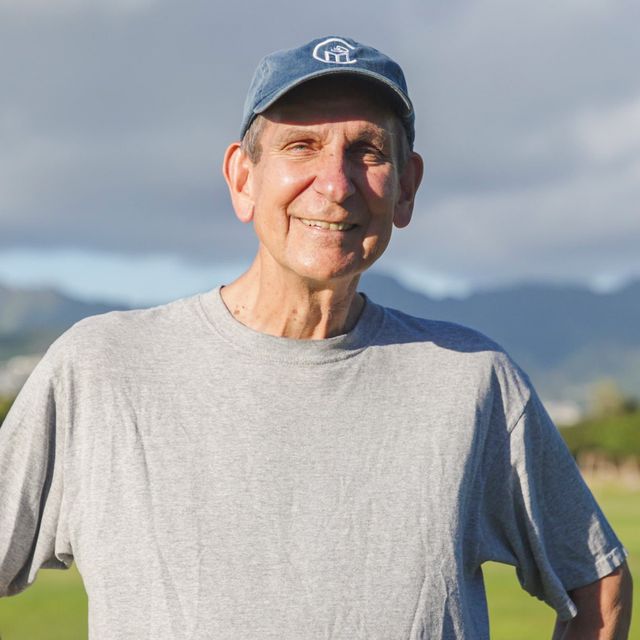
<point>31,484</point>
<point>538,514</point>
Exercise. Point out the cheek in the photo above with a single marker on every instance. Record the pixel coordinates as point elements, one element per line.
<point>376,241</point>
<point>381,190</point>
<point>381,194</point>
<point>285,182</point>
<point>275,190</point>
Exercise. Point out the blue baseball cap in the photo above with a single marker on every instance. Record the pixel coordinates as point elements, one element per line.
<point>281,71</point>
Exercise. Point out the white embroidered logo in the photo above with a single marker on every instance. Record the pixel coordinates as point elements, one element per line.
<point>334,51</point>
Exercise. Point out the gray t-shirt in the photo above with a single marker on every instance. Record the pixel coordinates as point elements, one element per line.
<point>213,482</point>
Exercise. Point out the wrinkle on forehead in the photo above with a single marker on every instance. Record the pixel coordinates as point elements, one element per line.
<point>313,112</point>
<point>334,99</point>
<point>290,131</point>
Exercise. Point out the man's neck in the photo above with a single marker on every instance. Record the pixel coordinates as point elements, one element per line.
<point>281,304</point>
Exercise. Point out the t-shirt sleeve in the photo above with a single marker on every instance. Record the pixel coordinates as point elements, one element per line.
<point>31,484</point>
<point>539,515</point>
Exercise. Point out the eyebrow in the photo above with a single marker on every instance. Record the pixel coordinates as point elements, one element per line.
<point>375,135</point>
<point>370,133</point>
<point>294,132</point>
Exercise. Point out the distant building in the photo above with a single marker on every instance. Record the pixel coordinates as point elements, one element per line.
<point>564,413</point>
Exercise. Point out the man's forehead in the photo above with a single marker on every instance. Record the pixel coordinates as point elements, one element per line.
<point>288,125</point>
<point>284,130</point>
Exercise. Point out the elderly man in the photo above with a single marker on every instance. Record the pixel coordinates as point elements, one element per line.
<point>283,458</point>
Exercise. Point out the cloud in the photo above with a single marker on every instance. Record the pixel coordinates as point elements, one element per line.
<point>611,134</point>
<point>115,115</point>
<point>133,280</point>
<point>583,228</point>
<point>53,7</point>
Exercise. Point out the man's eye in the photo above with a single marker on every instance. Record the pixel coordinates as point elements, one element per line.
<point>368,152</point>
<point>298,147</point>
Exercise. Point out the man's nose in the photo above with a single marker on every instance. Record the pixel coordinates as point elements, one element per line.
<point>333,177</point>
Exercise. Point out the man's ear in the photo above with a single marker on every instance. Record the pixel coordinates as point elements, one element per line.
<point>237,171</point>
<point>410,180</point>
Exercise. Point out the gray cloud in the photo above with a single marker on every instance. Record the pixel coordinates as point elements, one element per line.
<point>114,117</point>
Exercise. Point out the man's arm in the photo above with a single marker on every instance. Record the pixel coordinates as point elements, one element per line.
<point>604,609</point>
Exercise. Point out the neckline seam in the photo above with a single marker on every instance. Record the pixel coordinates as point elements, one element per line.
<point>267,355</point>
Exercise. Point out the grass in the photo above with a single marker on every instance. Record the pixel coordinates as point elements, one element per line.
<point>55,608</point>
<point>514,614</point>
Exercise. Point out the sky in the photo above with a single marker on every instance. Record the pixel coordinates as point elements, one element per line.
<point>115,114</point>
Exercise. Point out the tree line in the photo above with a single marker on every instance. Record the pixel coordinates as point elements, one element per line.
<point>611,429</point>
<point>5,405</point>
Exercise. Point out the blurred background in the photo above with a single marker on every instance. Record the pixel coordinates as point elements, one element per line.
<point>115,114</point>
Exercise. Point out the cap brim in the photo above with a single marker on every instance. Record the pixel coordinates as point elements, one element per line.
<point>269,100</point>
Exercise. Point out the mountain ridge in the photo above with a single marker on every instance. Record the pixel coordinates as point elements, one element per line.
<point>566,337</point>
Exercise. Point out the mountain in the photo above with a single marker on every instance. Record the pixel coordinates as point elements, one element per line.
<point>30,319</point>
<point>35,309</point>
<point>566,337</point>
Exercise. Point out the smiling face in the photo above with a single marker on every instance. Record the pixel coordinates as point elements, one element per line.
<point>329,182</point>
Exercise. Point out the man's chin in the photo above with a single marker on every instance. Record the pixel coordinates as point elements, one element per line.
<point>330,279</point>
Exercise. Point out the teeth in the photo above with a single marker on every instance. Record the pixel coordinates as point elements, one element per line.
<point>331,226</point>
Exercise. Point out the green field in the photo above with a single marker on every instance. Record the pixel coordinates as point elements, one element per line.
<point>55,608</point>
<point>516,615</point>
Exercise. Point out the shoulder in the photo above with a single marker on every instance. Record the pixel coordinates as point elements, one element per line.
<point>110,336</point>
<point>440,333</point>
<point>462,356</point>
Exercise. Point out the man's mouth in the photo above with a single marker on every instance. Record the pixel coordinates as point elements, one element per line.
<point>331,226</point>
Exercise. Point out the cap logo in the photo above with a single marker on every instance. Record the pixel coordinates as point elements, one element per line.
<point>334,51</point>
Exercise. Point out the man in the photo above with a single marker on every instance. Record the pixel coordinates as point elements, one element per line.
<point>283,458</point>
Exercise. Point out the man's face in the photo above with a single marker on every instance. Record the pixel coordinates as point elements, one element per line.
<point>326,187</point>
